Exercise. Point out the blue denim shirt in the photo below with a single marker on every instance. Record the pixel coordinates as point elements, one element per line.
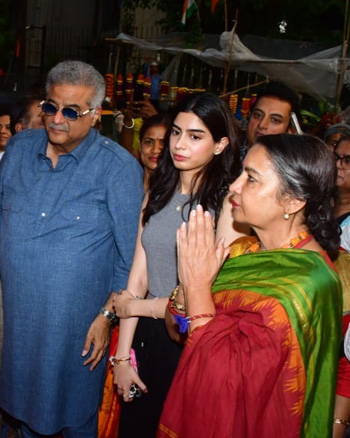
<point>67,237</point>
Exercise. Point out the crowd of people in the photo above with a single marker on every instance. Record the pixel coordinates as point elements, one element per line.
<point>216,280</point>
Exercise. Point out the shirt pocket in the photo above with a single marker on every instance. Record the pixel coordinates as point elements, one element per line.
<point>80,217</point>
<point>12,203</point>
<point>83,225</point>
<point>80,213</point>
<point>12,213</point>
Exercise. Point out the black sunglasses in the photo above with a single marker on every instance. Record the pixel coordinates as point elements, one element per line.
<point>50,109</point>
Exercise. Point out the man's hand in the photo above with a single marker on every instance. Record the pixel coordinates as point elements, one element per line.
<point>98,336</point>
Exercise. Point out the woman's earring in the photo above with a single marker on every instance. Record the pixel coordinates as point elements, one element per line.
<point>286,216</point>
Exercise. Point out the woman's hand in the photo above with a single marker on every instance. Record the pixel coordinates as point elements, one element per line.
<point>146,109</point>
<point>124,376</point>
<point>199,260</point>
<point>123,304</point>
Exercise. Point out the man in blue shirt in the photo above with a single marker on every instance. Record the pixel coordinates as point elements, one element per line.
<point>70,201</point>
<point>156,79</point>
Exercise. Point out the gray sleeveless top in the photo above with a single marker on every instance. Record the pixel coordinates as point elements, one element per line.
<point>159,242</point>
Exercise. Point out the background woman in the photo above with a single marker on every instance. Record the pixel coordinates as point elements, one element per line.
<point>5,131</point>
<point>152,134</point>
<point>262,353</point>
<point>342,206</point>
<point>342,214</point>
<point>199,160</point>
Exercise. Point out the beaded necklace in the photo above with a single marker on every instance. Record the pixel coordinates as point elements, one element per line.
<point>296,242</point>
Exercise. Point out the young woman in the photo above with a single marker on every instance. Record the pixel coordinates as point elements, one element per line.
<point>151,135</point>
<point>199,160</point>
<point>261,357</point>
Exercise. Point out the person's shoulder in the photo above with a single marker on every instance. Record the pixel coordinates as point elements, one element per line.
<point>114,150</point>
<point>26,139</point>
<point>29,134</point>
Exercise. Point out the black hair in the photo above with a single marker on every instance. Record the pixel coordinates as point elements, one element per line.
<point>156,120</point>
<point>214,179</point>
<point>341,140</point>
<point>6,110</point>
<point>307,171</point>
<point>280,91</point>
<point>20,113</point>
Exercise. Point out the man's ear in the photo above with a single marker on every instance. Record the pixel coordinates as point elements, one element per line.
<point>96,115</point>
<point>18,127</point>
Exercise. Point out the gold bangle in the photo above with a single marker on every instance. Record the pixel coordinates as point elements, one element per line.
<point>114,361</point>
<point>174,293</point>
<point>341,421</point>
<point>178,306</point>
<point>175,304</point>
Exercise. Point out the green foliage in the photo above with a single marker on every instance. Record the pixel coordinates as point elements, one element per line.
<point>195,34</point>
<point>316,20</point>
<point>129,7</point>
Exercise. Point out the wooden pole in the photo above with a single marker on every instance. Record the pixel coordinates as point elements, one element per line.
<point>346,33</point>
<point>228,62</point>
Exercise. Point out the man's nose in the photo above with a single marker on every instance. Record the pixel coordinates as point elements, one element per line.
<point>263,122</point>
<point>58,118</point>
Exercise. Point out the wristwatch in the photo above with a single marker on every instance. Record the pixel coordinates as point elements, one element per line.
<point>112,317</point>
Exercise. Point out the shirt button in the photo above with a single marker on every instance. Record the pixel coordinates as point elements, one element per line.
<point>106,142</point>
<point>78,218</point>
<point>43,214</point>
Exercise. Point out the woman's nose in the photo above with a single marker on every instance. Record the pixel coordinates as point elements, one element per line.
<point>157,147</point>
<point>235,187</point>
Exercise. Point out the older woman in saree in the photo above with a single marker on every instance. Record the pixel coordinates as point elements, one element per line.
<point>264,334</point>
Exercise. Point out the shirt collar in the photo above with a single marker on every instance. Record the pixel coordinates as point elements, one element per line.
<point>79,152</point>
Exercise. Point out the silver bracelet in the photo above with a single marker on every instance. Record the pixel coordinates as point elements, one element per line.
<point>129,127</point>
<point>112,317</point>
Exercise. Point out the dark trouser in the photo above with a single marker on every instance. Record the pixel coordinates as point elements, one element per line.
<point>157,356</point>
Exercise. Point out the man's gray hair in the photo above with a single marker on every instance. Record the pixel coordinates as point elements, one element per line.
<point>78,73</point>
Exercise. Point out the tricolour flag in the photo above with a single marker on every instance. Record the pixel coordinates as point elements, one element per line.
<point>189,7</point>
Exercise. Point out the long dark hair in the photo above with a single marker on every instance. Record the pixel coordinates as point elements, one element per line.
<point>307,171</point>
<point>213,180</point>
